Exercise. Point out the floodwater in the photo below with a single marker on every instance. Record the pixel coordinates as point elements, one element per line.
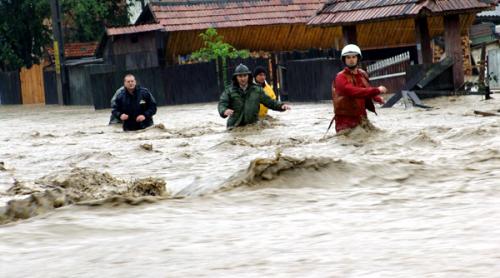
<point>418,198</point>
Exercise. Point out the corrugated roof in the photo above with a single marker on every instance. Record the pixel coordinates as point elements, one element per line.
<point>77,49</point>
<point>177,15</point>
<point>338,12</point>
<point>493,13</point>
<point>113,31</point>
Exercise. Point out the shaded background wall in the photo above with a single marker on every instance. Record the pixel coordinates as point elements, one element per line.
<point>10,88</point>
<point>310,80</point>
<point>181,84</point>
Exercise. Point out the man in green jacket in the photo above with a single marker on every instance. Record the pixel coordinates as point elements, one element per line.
<point>241,100</point>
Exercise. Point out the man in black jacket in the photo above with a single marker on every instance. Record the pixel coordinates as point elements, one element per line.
<point>134,105</point>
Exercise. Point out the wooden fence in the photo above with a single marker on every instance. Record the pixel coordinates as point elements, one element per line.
<point>171,85</point>
<point>390,72</point>
<point>310,79</point>
<point>10,88</point>
<point>32,86</point>
<point>296,76</point>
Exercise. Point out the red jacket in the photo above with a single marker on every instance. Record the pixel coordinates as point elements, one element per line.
<point>352,95</point>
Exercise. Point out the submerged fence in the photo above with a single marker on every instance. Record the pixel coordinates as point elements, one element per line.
<point>296,76</point>
<point>390,72</point>
<point>311,79</point>
<point>180,84</point>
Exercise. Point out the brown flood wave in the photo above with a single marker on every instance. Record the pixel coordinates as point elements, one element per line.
<point>92,188</point>
<point>267,169</point>
<point>81,187</point>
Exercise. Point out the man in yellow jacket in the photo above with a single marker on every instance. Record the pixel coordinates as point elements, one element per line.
<point>260,79</point>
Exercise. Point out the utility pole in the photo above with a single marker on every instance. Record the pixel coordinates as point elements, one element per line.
<point>61,78</point>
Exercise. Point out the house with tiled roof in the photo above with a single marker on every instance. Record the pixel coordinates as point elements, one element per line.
<point>77,50</point>
<point>375,23</point>
<point>292,24</point>
<point>167,29</point>
<point>485,36</point>
<point>274,25</point>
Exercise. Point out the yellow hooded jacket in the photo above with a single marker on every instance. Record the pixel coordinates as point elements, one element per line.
<point>269,91</point>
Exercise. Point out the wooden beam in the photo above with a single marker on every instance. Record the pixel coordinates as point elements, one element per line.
<point>349,34</point>
<point>423,41</point>
<point>453,47</point>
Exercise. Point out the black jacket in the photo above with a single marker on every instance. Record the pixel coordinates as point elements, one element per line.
<point>141,102</point>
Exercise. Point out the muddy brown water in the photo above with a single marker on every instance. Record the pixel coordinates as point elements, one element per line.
<point>418,198</point>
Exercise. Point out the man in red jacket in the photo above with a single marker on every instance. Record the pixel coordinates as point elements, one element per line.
<point>352,94</point>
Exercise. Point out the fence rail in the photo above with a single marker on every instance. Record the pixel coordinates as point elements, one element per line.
<point>390,72</point>
<point>386,63</point>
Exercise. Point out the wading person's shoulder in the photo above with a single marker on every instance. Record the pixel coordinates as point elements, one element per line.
<point>144,90</point>
<point>363,73</point>
<point>341,75</point>
<point>122,94</point>
<point>231,90</point>
<point>256,88</point>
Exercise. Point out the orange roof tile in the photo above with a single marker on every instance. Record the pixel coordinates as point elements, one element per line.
<point>113,31</point>
<point>198,15</point>
<point>77,50</point>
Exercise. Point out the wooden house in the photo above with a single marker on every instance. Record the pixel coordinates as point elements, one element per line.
<point>167,29</point>
<point>383,23</point>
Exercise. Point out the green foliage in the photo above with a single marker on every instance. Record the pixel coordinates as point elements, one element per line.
<point>85,19</point>
<point>8,58</point>
<point>22,32</point>
<point>215,47</point>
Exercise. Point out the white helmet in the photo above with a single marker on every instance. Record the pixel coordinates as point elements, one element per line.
<point>351,49</point>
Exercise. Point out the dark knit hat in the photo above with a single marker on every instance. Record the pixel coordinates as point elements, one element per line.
<point>258,70</point>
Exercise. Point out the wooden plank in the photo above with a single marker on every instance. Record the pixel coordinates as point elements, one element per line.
<point>32,87</point>
<point>485,113</point>
<point>349,34</point>
<point>391,75</point>
<point>423,41</point>
<point>415,78</point>
<point>434,71</point>
<point>453,48</point>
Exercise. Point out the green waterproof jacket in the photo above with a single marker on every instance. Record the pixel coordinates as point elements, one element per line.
<point>246,104</point>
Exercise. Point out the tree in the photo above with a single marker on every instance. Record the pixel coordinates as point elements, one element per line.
<point>85,19</point>
<point>215,48</point>
<point>24,26</point>
<point>22,32</point>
